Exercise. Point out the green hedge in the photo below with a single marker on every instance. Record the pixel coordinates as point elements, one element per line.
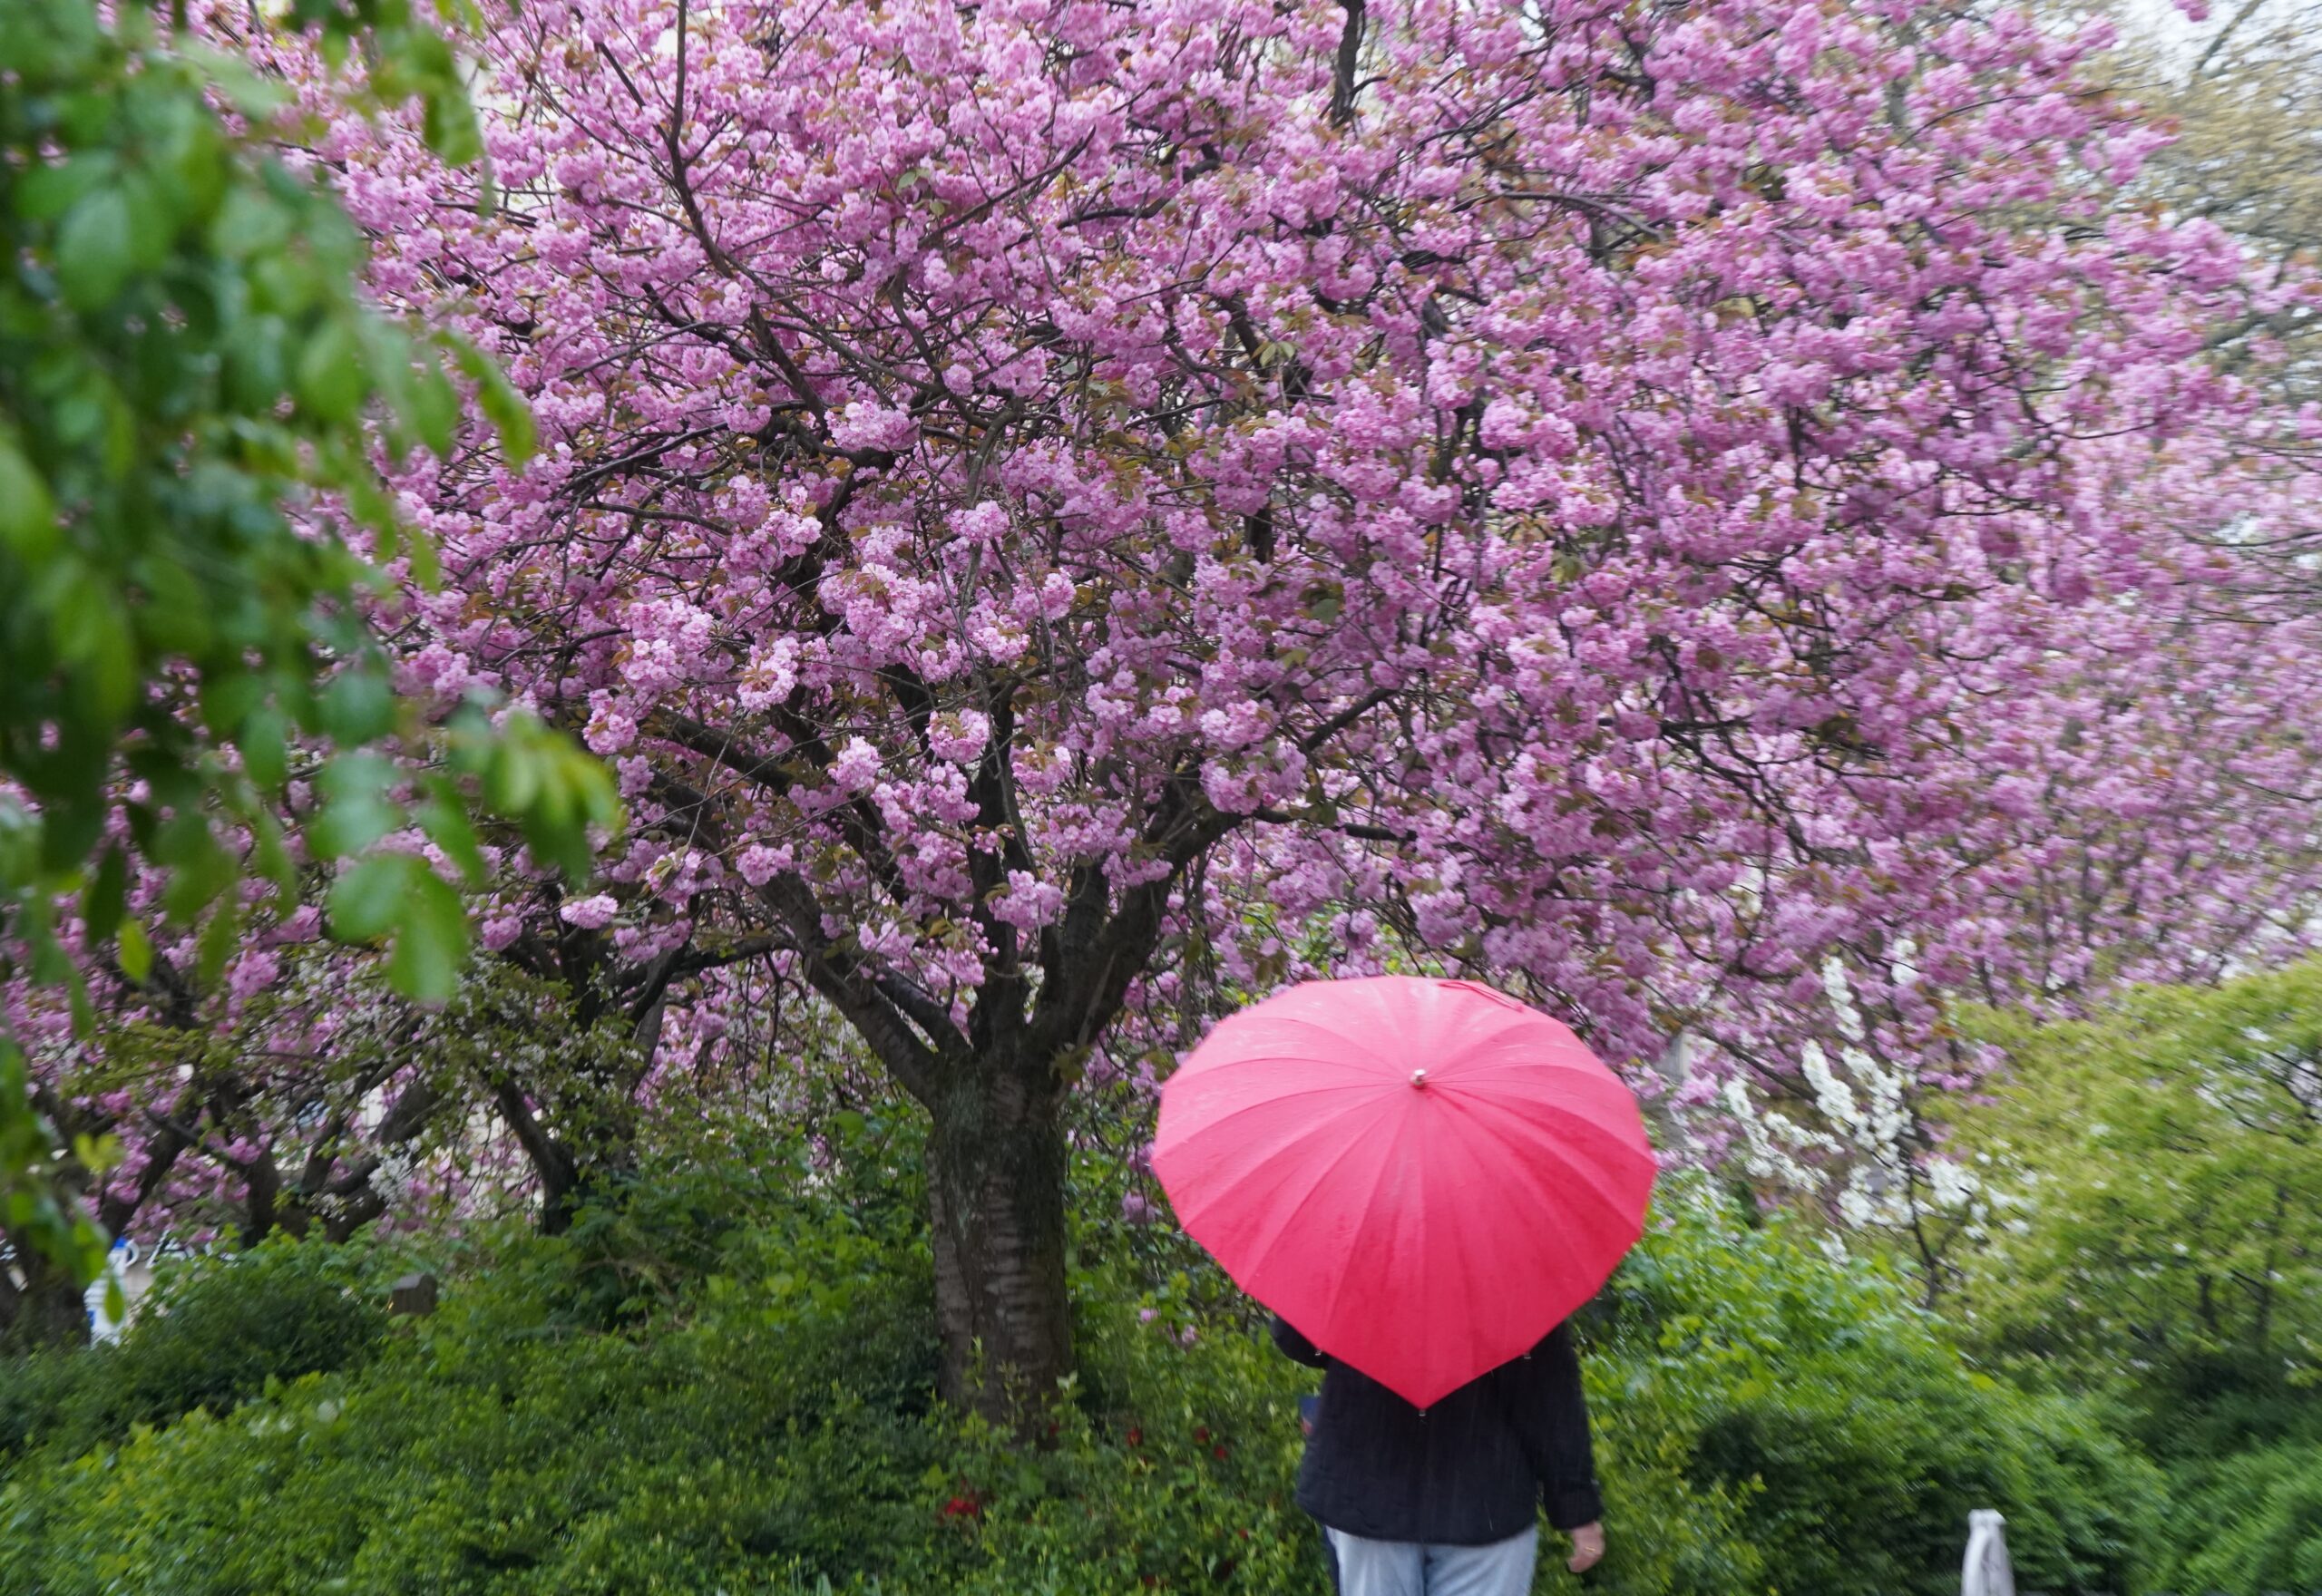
<point>721,1381</point>
<point>2252,1522</point>
<point>1852,1435</point>
<point>210,1340</point>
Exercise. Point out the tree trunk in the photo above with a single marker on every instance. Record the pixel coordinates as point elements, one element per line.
<point>996,1165</point>
<point>553,1165</point>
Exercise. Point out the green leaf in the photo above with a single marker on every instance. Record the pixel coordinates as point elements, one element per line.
<point>358,707</point>
<point>91,631</point>
<point>331,380</point>
<point>267,851</point>
<point>93,247</point>
<point>76,1002</point>
<point>264,741</point>
<point>254,97</point>
<point>48,191</point>
<point>219,940</point>
<point>434,409</point>
<point>250,222</point>
<point>107,897</point>
<point>176,617</point>
<point>397,893</point>
<point>446,820</point>
<point>367,900</point>
<point>136,952</point>
<point>200,870</point>
<point>153,214</point>
<point>431,943</point>
<point>502,406</point>
<point>450,128</point>
<point>357,811</point>
<point>228,695</point>
<point>28,527</point>
<point>426,570</point>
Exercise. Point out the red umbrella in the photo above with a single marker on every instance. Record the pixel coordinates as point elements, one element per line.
<point>1424,1177</point>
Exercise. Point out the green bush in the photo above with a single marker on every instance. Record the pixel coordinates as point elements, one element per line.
<point>1812,1394</point>
<point>721,1381</point>
<point>212,1336</point>
<point>2249,1524</point>
<point>721,1378</point>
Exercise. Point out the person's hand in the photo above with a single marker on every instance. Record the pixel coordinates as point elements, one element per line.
<point>1587,1548</point>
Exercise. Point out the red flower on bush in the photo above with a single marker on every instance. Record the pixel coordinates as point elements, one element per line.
<point>960,1507</point>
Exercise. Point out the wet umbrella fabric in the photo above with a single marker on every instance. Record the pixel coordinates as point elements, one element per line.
<point>1423,1176</point>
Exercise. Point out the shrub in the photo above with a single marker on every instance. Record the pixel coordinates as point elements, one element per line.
<point>212,1334</point>
<point>692,1395</point>
<point>1810,1390</point>
<point>2247,1524</point>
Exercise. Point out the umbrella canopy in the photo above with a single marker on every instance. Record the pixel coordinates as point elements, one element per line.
<point>1423,1176</point>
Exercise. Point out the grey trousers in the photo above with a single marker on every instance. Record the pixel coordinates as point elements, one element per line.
<point>1406,1568</point>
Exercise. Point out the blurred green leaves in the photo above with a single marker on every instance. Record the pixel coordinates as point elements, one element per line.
<point>32,1201</point>
<point>191,387</point>
<point>2161,1179</point>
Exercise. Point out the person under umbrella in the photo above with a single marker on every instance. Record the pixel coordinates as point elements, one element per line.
<point>1443,1501</point>
<point>1308,1406</point>
<point>1423,1179</point>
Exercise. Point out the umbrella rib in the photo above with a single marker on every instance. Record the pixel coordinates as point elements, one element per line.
<point>1370,1200</point>
<point>1204,1128</point>
<point>1259,1166</point>
<point>1545,1110</point>
<point>1523,1158</point>
<point>1290,1212</point>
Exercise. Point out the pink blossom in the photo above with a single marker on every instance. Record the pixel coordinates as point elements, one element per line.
<point>590,913</point>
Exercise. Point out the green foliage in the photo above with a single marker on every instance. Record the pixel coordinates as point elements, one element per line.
<point>721,1378</point>
<point>2157,1177</point>
<point>184,353</point>
<point>1810,1393</point>
<point>2168,1221</point>
<point>405,60</point>
<point>32,1195</point>
<point>212,1336</point>
<point>2249,1522</point>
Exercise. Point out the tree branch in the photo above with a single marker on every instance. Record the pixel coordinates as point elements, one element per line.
<point>881,1009</point>
<point>1342,70</point>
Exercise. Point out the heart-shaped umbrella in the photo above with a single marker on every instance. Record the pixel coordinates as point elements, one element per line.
<point>1424,1176</point>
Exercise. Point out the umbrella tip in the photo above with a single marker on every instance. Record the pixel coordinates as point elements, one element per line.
<point>1418,1078</point>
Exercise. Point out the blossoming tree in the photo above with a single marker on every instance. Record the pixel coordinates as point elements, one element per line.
<point>1039,497</point>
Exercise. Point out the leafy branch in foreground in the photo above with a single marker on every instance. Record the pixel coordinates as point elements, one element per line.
<point>193,395</point>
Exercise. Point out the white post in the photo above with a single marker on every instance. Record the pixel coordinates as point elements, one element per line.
<point>1987,1572</point>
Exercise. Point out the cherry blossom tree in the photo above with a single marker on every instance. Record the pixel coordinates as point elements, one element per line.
<point>1041,501</point>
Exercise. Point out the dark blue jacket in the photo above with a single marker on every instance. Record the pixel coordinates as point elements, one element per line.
<point>1472,1469</point>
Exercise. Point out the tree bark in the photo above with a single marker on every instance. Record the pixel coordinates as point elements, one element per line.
<point>553,1164</point>
<point>996,1164</point>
